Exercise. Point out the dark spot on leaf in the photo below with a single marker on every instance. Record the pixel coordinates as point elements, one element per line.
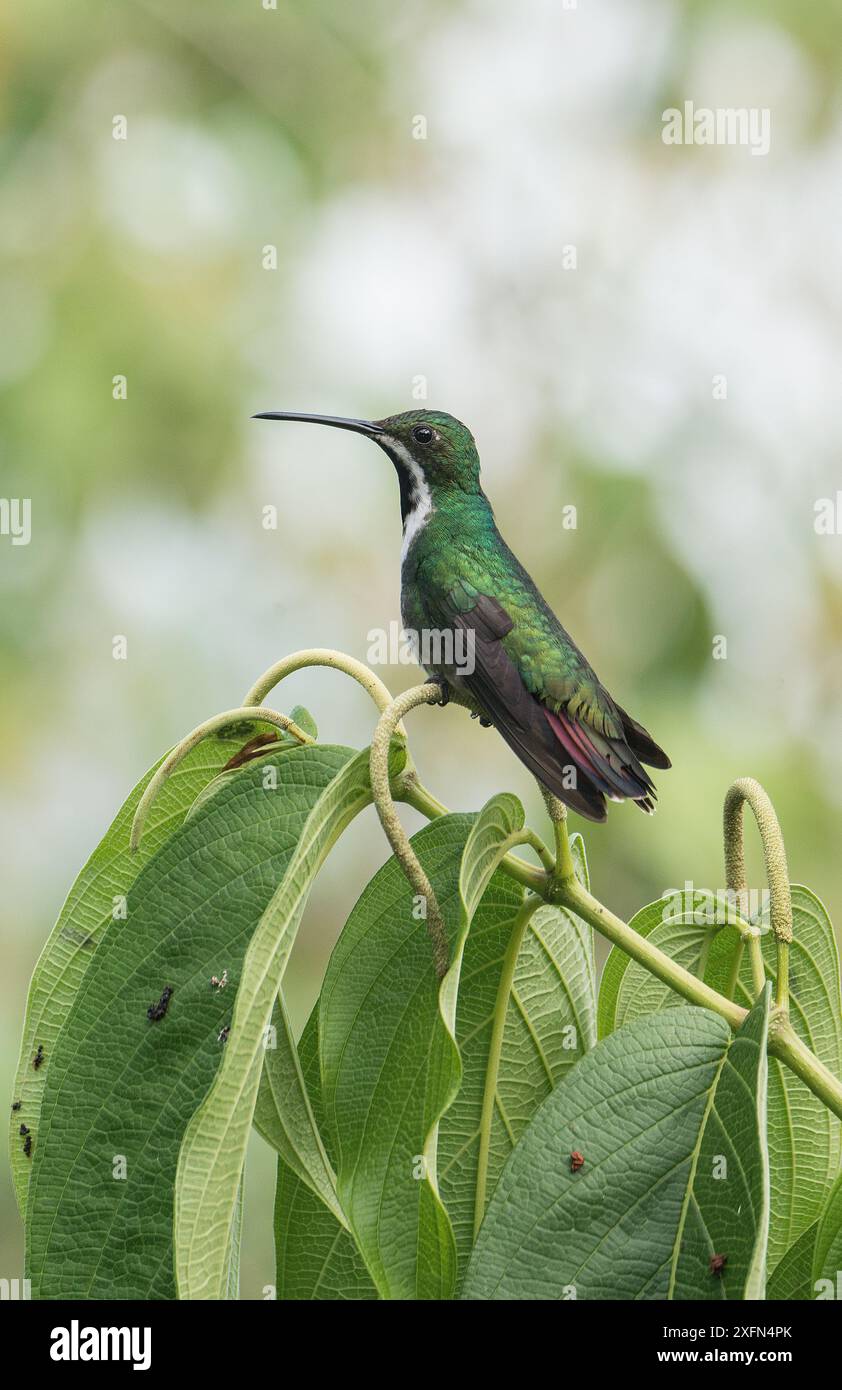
<point>717,1264</point>
<point>156,1012</point>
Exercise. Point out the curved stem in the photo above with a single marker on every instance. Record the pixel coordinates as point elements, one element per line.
<point>321,656</point>
<point>211,726</point>
<point>381,789</point>
<point>574,895</point>
<point>534,841</point>
<point>747,789</point>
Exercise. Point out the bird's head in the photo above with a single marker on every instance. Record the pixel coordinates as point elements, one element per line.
<point>432,452</point>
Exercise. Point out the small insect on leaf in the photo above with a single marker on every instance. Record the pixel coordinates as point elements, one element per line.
<point>156,1012</point>
<point>39,1057</point>
<point>16,1105</point>
<point>222,1036</point>
<point>23,1130</point>
<point>219,981</point>
<point>576,1161</point>
<point>27,1145</point>
<point>717,1264</point>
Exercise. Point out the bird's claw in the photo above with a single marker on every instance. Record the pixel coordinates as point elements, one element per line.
<point>444,690</point>
<point>483,722</point>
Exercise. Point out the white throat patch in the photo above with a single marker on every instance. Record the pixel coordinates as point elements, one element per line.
<point>421,501</point>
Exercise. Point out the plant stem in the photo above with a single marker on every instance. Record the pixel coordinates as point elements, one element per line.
<point>534,841</point>
<point>785,1044</point>
<point>557,812</point>
<point>574,895</point>
<point>747,790</point>
<point>322,656</point>
<point>390,820</point>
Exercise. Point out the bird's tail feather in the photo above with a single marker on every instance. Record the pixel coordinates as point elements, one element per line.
<point>608,763</point>
<point>641,742</point>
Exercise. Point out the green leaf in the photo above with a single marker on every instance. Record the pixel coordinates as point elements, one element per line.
<point>284,1116</point>
<point>316,1257</point>
<point>804,1136</point>
<point>627,989</point>
<point>654,1109</point>
<point>213,1150</point>
<point>88,913</point>
<point>792,1276</point>
<point>827,1256</point>
<point>390,1064</point>
<point>120,1085</point>
<point>305,721</point>
<point>526,1014</point>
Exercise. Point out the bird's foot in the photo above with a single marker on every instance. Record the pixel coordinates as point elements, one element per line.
<point>444,690</point>
<point>483,722</point>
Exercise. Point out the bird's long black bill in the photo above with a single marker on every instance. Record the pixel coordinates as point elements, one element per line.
<point>339,422</point>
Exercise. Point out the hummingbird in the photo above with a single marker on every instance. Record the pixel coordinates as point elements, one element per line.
<point>525,675</point>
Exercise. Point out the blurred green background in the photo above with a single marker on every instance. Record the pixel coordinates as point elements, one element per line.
<point>285,137</point>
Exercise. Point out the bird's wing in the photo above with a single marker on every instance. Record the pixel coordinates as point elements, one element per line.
<point>550,709</point>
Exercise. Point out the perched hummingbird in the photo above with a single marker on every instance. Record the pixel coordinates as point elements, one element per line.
<point>526,675</point>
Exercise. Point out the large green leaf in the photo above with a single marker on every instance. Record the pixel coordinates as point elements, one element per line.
<point>827,1256</point>
<point>390,1064</point>
<point>804,1136</point>
<point>627,989</point>
<point>316,1257</point>
<point>95,901</point>
<point>654,1109</point>
<point>213,1151</point>
<point>526,1014</point>
<point>120,1085</point>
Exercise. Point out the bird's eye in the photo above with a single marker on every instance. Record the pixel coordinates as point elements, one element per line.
<point>422,433</point>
